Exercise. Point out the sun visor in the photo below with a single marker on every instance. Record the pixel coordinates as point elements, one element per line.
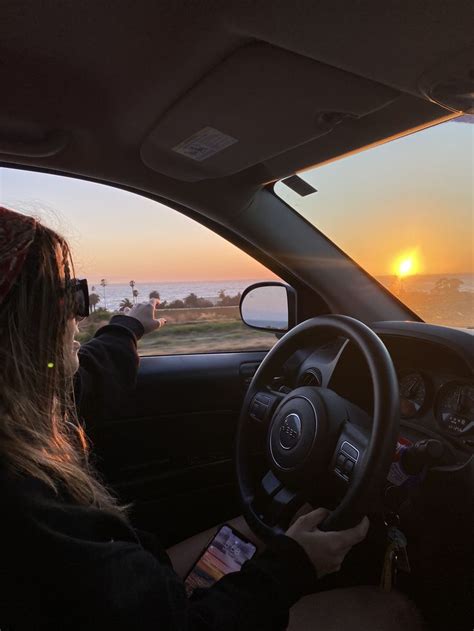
<point>451,82</point>
<point>258,103</point>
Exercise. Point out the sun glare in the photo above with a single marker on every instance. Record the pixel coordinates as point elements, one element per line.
<point>406,265</point>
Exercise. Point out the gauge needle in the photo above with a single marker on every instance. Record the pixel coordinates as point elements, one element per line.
<point>412,386</point>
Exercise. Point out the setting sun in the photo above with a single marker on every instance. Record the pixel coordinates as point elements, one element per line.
<point>406,265</point>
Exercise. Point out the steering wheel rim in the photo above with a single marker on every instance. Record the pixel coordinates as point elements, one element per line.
<point>371,467</point>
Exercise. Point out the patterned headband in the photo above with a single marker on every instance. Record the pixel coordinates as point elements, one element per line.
<point>17,233</point>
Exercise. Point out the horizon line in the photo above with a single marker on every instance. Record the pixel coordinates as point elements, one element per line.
<point>223,280</point>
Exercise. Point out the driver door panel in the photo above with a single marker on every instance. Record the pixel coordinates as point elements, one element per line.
<point>170,451</point>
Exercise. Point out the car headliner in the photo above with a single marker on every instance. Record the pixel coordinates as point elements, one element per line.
<point>106,90</point>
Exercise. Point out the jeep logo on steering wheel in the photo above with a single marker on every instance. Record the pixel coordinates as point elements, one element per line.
<point>290,431</point>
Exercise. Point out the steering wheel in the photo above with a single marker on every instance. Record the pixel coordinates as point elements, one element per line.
<point>316,444</point>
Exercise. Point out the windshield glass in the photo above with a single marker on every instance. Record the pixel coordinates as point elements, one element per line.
<point>404,211</point>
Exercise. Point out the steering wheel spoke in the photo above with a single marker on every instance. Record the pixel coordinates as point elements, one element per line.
<point>274,503</point>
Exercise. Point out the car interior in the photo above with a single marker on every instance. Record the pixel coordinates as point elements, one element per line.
<point>204,106</point>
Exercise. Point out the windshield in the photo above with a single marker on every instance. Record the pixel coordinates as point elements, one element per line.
<point>404,212</point>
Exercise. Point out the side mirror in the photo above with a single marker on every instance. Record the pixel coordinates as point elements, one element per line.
<point>269,307</point>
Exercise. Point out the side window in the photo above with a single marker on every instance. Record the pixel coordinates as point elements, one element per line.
<point>132,249</point>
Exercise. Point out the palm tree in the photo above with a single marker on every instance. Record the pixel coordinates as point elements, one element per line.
<point>135,295</point>
<point>124,303</point>
<point>103,284</point>
<point>132,285</point>
<point>94,299</point>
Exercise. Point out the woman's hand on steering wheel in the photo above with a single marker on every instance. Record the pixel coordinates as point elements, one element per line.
<point>326,550</point>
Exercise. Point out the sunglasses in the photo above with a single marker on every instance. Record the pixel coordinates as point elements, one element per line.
<point>81,298</point>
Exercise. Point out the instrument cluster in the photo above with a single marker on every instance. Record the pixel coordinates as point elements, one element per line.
<point>452,402</point>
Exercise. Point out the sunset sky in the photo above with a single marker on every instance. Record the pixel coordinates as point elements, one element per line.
<point>412,195</point>
<point>119,235</point>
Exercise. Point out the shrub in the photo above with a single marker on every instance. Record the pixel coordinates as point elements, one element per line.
<point>228,301</point>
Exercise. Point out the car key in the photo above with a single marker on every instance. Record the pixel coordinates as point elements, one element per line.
<point>389,570</point>
<point>396,536</point>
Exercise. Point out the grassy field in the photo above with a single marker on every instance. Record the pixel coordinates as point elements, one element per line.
<point>206,330</point>
<point>205,337</point>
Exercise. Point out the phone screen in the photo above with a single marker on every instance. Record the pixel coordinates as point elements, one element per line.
<point>227,552</point>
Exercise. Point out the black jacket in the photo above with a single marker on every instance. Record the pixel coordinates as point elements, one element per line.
<point>66,566</point>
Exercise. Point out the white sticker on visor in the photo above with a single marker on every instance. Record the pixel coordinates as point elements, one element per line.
<point>204,144</point>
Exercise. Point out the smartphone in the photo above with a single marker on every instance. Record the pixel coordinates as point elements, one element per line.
<point>227,552</point>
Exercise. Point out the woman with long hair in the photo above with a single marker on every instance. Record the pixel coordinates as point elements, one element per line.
<point>69,556</point>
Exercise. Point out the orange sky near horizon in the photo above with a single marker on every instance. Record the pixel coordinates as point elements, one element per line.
<point>414,194</point>
<point>163,260</point>
<point>427,232</point>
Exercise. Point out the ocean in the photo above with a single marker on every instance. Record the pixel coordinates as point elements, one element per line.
<point>116,292</point>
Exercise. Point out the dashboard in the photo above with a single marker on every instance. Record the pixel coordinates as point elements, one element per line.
<point>428,490</point>
<point>435,369</point>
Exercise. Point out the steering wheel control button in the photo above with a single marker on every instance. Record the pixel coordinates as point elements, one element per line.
<point>341,459</point>
<point>350,450</point>
<point>259,407</point>
<point>257,411</point>
<point>290,431</point>
<point>348,466</point>
<point>344,465</point>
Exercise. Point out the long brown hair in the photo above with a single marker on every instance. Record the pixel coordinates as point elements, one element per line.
<point>40,434</point>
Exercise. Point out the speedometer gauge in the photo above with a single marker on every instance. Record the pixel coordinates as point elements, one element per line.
<point>413,389</point>
<point>455,407</point>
